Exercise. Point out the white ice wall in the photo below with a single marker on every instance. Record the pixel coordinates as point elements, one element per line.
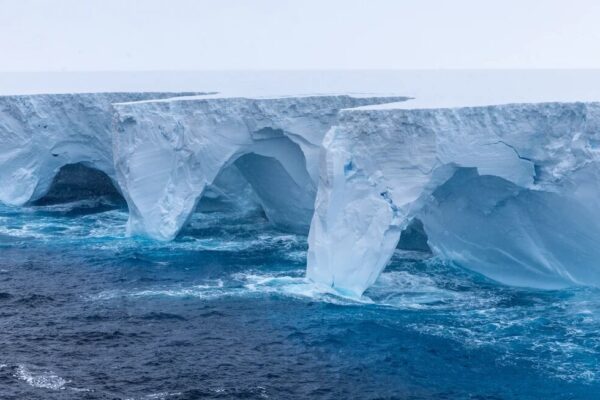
<point>167,152</point>
<point>381,168</point>
<point>41,133</point>
<point>509,191</point>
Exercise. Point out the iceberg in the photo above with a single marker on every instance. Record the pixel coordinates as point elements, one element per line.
<point>509,191</point>
<point>167,152</point>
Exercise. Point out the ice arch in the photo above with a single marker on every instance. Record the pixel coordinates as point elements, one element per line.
<point>261,184</point>
<point>382,168</point>
<point>275,168</point>
<point>514,235</point>
<point>284,189</point>
<point>167,152</point>
<point>230,192</point>
<point>39,134</point>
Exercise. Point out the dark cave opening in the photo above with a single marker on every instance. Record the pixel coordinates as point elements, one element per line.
<point>414,237</point>
<point>78,182</point>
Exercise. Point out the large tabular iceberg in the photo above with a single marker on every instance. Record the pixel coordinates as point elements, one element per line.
<point>168,151</point>
<point>510,191</point>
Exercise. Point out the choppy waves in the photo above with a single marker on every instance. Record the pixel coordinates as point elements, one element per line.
<point>224,259</point>
<point>554,332</point>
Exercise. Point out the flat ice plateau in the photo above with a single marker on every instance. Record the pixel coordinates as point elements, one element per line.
<point>499,173</point>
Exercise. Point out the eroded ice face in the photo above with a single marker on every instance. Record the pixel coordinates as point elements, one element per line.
<point>525,216</point>
<point>508,191</point>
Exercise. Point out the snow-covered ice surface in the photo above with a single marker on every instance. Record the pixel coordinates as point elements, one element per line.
<point>437,88</point>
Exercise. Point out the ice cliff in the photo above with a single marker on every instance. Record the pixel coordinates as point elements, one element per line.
<point>39,134</point>
<point>509,191</point>
<point>168,151</point>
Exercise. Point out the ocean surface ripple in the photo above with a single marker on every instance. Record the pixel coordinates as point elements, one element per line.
<point>224,312</point>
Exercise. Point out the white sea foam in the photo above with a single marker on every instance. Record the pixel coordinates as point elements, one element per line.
<point>209,290</point>
<point>396,289</point>
<point>44,380</point>
<point>161,395</point>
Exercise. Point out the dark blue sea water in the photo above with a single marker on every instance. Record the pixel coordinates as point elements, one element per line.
<point>224,312</point>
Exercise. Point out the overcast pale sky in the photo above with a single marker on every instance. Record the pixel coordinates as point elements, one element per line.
<point>84,35</point>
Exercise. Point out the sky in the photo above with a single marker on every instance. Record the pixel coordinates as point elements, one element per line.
<point>196,35</point>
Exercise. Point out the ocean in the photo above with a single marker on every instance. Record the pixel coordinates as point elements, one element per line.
<point>224,312</point>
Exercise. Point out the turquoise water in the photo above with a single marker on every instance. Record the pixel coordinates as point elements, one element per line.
<point>224,312</point>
